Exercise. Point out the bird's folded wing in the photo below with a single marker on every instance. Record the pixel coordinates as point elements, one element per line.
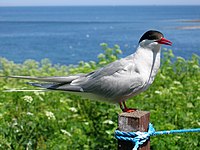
<point>109,70</point>
<point>113,81</point>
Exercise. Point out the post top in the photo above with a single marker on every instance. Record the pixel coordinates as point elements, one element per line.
<point>135,114</point>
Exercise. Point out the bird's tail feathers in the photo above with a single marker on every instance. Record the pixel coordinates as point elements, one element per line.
<point>57,86</point>
<point>43,85</point>
<point>55,79</point>
<point>27,90</point>
<point>46,86</point>
<point>51,83</point>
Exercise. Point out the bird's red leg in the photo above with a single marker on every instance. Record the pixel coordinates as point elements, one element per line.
<point>124,107</point>
<point>121,106</point>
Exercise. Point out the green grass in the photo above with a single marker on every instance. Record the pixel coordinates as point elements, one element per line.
<point>56,120</point>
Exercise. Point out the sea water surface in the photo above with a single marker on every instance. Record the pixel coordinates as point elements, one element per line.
<point>67,35</point>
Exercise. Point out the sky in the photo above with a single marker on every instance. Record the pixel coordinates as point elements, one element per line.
<point>95,2</point>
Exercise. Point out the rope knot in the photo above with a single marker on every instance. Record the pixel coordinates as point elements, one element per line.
<point>138,138</point>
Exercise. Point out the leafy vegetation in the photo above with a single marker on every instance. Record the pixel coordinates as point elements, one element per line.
<point>56,120</point>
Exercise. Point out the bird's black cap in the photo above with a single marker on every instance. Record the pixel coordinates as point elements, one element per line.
<point>151,35</point>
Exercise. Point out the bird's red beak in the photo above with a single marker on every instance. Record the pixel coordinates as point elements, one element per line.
<point>164,41</point>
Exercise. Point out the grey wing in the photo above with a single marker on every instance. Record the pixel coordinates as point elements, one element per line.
<point>80,83</point>
<point>115,87</point>
<point>74,82</point>
<point>108,70</point>
<point>116,81</point>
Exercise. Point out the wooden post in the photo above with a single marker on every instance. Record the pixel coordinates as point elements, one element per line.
<point>131,122</point>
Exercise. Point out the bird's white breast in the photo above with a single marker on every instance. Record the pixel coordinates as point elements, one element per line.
<point>148,64</point>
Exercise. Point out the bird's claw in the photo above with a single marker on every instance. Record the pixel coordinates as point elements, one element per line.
<point>125,109</point>
<point>129,110</point>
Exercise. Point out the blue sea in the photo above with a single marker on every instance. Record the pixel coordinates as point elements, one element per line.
<point>67,35</point>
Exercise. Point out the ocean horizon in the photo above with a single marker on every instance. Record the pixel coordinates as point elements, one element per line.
<point>69,34</point>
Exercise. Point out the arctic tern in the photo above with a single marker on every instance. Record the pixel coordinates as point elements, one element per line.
<point>117,81</point>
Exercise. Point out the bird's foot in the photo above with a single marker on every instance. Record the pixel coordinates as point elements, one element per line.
<point>125,109</point>
<point>129,110</point>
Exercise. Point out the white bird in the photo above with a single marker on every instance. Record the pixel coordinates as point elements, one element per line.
<point>117,81</point>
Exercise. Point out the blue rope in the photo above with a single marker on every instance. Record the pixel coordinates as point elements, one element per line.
<point>138,138</point>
